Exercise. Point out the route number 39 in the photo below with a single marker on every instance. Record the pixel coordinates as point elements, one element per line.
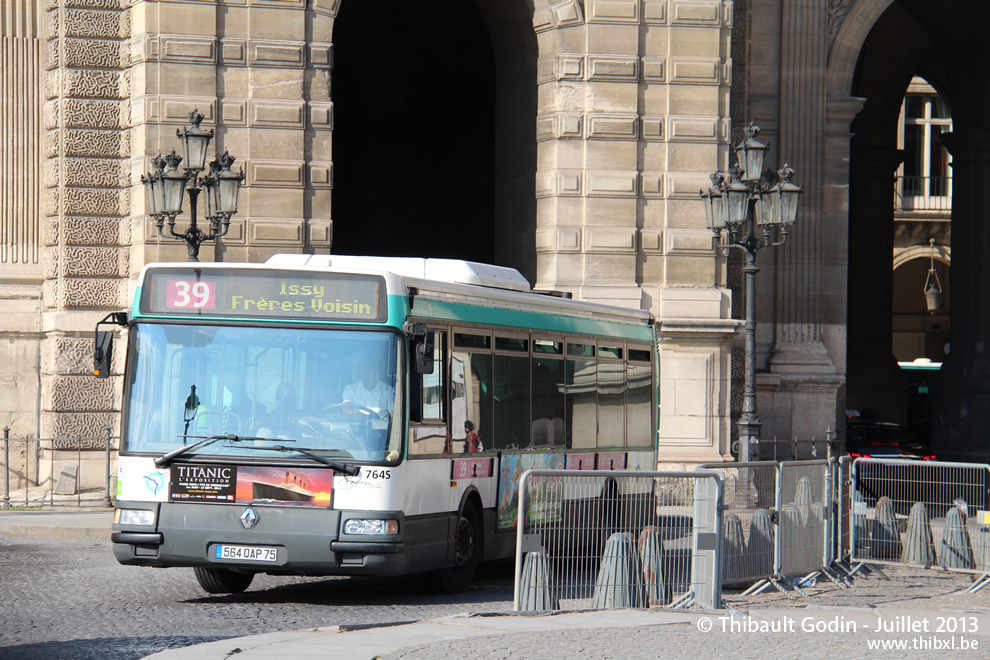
<point>185,294</point>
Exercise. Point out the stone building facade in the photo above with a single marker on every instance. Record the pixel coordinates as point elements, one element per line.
<point>586,126</point>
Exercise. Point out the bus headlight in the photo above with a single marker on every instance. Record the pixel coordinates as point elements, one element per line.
<point>143,517</point>
<point>364,526</point>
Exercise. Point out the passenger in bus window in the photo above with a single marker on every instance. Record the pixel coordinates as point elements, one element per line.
<point>472,443</point>
<point>369,391</point>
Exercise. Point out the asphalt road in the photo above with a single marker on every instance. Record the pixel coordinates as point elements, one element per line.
<point>69,599</point>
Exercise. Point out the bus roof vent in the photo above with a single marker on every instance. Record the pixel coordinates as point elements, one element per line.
<point>441,270</point>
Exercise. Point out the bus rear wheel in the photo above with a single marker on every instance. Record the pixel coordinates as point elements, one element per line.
<point>222,580</point>
<point>467,554</point>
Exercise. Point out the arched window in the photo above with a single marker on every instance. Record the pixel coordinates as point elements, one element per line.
<point>924,178</point>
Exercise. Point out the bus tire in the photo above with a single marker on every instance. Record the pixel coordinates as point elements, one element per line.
<point>222,580</point>
<point>467,553</point>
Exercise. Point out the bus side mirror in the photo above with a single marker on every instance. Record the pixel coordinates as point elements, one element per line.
<point>421,345</point>
<point>103,354</point>
<point>103,349</point>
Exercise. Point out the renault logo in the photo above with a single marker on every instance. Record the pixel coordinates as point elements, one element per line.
<point>248,518</point>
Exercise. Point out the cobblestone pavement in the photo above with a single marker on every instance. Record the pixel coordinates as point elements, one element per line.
<point>908,588</point>
<point>915,592</point>
<point>69,599</point>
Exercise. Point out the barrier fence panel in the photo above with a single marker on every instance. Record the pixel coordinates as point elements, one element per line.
<point>804,517</point>
<point>921,513</point>
<point>748,539</point>
<point>44,472</point>
<point>611,539</point>
<point>841,511</point>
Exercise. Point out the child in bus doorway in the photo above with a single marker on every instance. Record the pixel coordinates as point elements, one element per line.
<point>472,443</point>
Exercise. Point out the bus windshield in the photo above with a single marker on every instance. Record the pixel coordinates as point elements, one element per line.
<point>329,392</point>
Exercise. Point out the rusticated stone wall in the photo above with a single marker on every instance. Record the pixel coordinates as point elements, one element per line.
<point>86,178</point>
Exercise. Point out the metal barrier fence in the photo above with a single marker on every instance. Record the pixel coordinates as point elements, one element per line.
<point>749,550</point>
<point>610,539</point>
<point>778,522</point>
<point>841,521</point>
<point>46,471</point>
<point>921,513</point>
<point>644,539</point>
<point>804,517</point>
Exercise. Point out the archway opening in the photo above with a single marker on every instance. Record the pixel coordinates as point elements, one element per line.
<point>414,135</point>
<point>922,227</point>
<point>907,43</point>
<point>434,131</point>
<point>892,55</point>
<point>919,335</point>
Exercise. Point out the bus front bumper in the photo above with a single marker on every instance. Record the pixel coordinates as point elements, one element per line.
<point>282,540</point>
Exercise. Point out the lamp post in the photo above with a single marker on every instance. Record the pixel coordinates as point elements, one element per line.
<point>750,209</point>
<point>166,186</point>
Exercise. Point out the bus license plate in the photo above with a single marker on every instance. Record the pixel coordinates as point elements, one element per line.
<point>246,553</point>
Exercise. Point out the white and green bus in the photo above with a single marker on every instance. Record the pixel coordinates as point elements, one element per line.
<point>337,415</point>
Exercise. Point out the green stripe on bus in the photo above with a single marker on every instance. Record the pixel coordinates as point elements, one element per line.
<point>551,320</point>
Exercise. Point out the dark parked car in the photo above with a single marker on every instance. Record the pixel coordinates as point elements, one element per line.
<point>904,484</point>
<point>884,440</point>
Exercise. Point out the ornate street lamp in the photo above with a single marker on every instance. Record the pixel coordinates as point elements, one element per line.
<point>750,209</point>
<point>933,288</point>
<point>165,187</point>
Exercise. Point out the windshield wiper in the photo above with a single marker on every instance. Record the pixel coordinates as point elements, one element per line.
<point>349,470</point>
<point>164,460</point>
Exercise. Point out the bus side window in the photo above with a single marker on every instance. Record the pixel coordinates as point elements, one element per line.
<point>427,404</point>
<point>611,403</point>
<point>426,396</point>
<point>471,398</point>
<point>512,398</point>
<point>639,398</point>
<point>548,402</point>
<point>581,388</point>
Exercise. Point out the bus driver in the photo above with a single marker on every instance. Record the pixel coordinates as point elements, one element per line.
<point>369,391</point>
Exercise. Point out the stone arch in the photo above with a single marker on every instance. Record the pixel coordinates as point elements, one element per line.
<point>845,51</point>
<point>943,254</point>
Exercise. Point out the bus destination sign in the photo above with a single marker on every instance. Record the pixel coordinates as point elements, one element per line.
<point>256,293</point>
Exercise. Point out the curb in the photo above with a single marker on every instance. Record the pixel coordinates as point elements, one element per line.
<point>58,524</point>
<point>46,532</point>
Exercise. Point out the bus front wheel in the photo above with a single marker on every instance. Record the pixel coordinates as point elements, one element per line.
<point>222,580</point>
<point>467,553</point>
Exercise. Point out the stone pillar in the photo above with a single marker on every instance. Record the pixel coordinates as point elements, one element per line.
<point>875,381</point>
<point>588,173</point>
<point>86,204</point>
<point>798,396</point>
<point>961,394</point>
<point>633,116</point>
<point>798,346</point>
<point>838,137</point>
